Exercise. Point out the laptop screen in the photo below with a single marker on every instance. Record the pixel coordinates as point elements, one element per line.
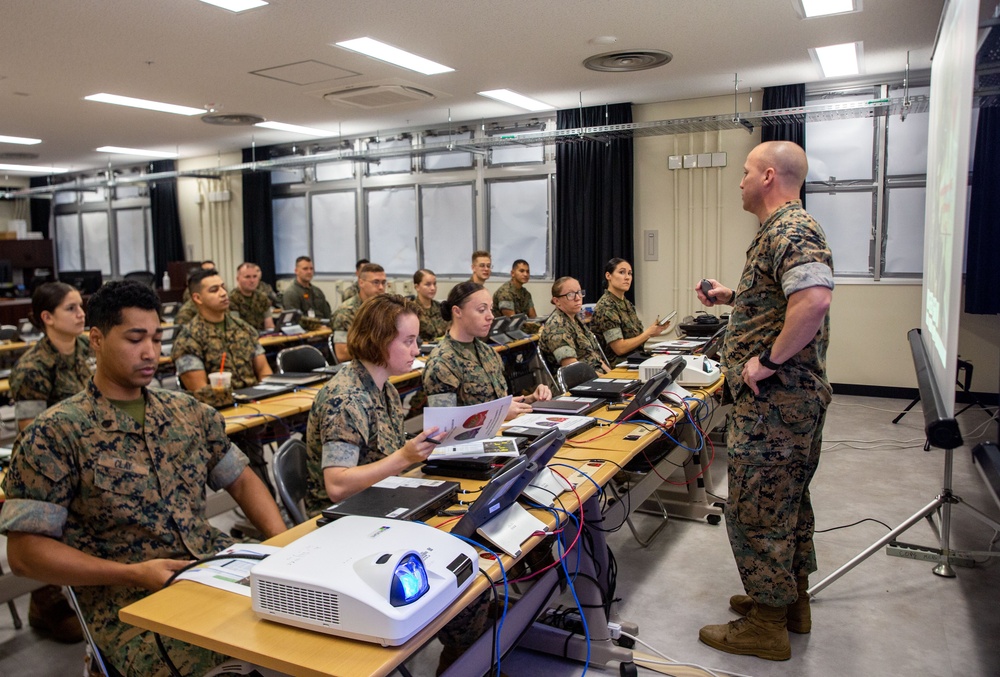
<point>651,389</point>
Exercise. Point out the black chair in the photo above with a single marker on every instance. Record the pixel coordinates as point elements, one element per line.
<point>142,276</point>
<point>8,332</point>
<point>290,476</point>
<point>574,374</point>
<point>300,359</point>
<point>333,351</point>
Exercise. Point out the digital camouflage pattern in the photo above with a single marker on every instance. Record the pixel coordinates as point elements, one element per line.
<point>200,345</point>
<point>253,309</point>
<point>509,297</point>
<point>341,321</point>
<point>614,319</point>
<point>304,299</point>
<point>43,376</point>
<point>432,325</point>
<point>187,312</point>
<point>351,423</point>
<point>565,337</point>
<point>458,374</point>
<point>350,291</point>
<point>775,437</point>
<point>87,474</point>
<point>269,292</point>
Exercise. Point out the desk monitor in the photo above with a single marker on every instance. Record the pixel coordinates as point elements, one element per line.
<point>85,281</point>
<point>652,388</point>
<point>714,344</point>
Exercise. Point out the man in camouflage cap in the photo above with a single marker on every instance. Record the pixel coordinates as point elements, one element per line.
<point>249,301</point>
<point>200,347</point>
<point>512,298</point>
<point>774,358</point>
<point>371,283</point>
<point>106,489</point>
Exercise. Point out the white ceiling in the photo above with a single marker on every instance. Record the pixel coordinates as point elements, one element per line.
<point>55,52</point>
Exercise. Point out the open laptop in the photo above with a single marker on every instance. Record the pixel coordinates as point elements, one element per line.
<point>714,344</point>
<point>287,323</point>
<point>167,338</point>
<point>573,406</point>
<point>651,389</point>
<point>402,498</point>
<point>298,378</point>
<point>498,331</point>
<point>607,388</point>
<point>261,391</point>
<point>514,330</point>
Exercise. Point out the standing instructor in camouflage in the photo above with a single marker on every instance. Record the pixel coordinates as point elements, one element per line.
<point>774,358</point>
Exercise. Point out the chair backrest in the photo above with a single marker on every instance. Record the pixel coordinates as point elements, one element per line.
<point>290,476</point>
<point>333,351</point>
<point>144,276</point>
<point>7,332</point>
<point>574,374</point>
<point>97,657</point>
<point>300,359</point>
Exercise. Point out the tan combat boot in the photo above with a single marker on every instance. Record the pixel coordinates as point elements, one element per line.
<point>761,633</point>
<point>799,615</point>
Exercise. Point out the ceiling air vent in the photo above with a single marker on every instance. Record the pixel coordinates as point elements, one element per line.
<point>16,155</point>
<point>232,119</point>
<point>628,60</point>
<point>377,96</point>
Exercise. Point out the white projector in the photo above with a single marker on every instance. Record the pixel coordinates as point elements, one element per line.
<point>698,369</point>
<point>367,578</point>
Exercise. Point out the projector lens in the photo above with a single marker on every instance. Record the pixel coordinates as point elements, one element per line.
<point>409,581</point>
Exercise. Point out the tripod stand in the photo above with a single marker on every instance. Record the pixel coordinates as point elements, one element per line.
<point>944,555</point>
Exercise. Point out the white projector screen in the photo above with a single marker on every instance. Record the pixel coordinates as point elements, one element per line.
<point>952,69</point>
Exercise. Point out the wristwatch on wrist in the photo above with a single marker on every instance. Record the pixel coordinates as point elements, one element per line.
<point>765,359</point>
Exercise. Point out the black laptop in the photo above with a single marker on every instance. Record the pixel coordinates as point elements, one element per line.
<point>651,389</point>
<point>498,331</point>
<point>573,406</point>
<point>167,339</point>
<point>607,388</point>
<point>514,330</point>
<point>402,498</point>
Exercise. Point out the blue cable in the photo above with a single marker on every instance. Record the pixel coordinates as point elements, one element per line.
<point>559,545</point>
<point>600,489</point>
<point>503,616</point>
<point>583,616</point>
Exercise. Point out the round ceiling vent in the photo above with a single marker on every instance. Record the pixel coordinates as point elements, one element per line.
<point>628,60</point>
<point>232,119</point>
<point>16,155</point>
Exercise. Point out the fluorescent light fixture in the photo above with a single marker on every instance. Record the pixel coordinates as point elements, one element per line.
<point>394,55</point>
<point>236,5</point>
<point>143,103</point>
<point>515,99</point>
<point>838,60</point>
<point>34,169</point>
<point>295,129</point>
<point>814,8</point>
<point>118,150</point>
<point>22,140</point>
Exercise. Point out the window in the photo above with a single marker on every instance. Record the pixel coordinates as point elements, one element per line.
<point>93,232</point>
<point>519,223</point>
<point>392,229</point>
<point>448,218</point>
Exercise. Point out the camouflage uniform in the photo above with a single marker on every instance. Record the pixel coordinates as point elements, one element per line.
<point>351,423</point>
<point>188,311</point>
<point>351,291</point>
<point>341,321</point>
<point>614,319</point>
<point>564,336</point>
<point>432,325</point>
<point>305,299</point>
<point>509,297</point>
<point>458,374</point>
<point>269,292</point>
<point>253,309</point>
<point>43,376</point>
<point>86,473</point>
<point>199,347</point>
<point>775,437</point>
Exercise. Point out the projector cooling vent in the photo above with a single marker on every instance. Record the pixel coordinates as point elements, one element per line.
<point>278,598</point>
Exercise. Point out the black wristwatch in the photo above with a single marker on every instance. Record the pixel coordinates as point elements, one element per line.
<point>765,359</point>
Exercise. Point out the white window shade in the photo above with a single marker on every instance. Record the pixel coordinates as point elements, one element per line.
<point>392,229</point>
<point>290,232</point>
<point>447,228</point>
<point>334,232</point>
<point>846,218</point>
<point>68,242</point>
<point>132,247</point>
<point>96,243</point>
<point>519,223</point>
<point>904,246</point>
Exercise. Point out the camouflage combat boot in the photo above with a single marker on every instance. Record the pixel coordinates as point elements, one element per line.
<point>761,633</point>
<point>799,615</point>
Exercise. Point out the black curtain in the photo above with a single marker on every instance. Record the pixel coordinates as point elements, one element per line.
<point>258,221</point>
<point>982,279</point>
<point>168,245</point>
<point>787,128</point>
<point>41,210</point>
<point>593,198</point>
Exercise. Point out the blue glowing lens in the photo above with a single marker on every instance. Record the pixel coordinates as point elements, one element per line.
<point>409,581</point>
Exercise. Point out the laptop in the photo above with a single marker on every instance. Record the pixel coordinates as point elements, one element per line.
<point>297,378</point>
<point>287,323</point>
<point>608,388</point>
<point>534,426</point>
<point>169,310</point>
<point>514,330</point>
<point>651,389</point>
<point>167,338</point>
<point>498,331</point>
<point>261,391</point>
<point>402,498</point>
<point>714,344</point>
<point>427,348</point>
<point>574,406</point>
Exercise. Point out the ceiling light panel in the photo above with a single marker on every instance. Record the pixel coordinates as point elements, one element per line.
<point>296,129</point>
<point>839,60</point>
<point>144,104</point>
<point>118,150</point>
<point>236,5</point>
<point>814,8</point>
<point>32,169</point>
<point>394,55</point>
<point>20,140</point>
<point>515,99</point>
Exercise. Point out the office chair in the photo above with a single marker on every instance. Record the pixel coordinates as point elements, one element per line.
<point>142,276</point>
<point>574,374</point>
<point>290,475</point>
<point>300,359</point>
<point>8,332</point>
<point>333,351</point>
<point>96,657</point>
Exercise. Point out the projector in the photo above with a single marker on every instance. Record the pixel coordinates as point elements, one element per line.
<point>367,578</point>
<point>698,370</point>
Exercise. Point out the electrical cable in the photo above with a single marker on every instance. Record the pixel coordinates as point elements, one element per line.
<point>715,672</point>
<point>845,526</point>
<point>506,595</point>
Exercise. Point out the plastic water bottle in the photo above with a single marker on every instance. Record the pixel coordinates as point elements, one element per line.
<point>166,281</point>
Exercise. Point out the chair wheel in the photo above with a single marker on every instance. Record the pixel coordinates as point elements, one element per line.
<point>628,670</point>
<point>714,520</point>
